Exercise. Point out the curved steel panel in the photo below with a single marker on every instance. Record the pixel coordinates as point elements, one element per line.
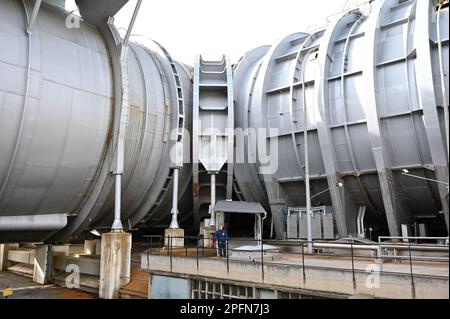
<point>370,115</point>
<point>64,158</point>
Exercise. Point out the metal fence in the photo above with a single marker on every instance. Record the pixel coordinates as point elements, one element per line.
<point>350,254</point>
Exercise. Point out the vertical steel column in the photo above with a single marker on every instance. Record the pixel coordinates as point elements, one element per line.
<point>413,287</point>
<point>174,222</point>
<point>124,114</point>
<point>395,209</point>
<point>307,186</point>
<point>213,200</point>
<point>342,202</point>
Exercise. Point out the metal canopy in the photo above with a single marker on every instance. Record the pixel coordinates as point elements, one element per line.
<point>224,206</point>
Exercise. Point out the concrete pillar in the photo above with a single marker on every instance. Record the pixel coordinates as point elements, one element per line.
<point>176,236</point>
<point>115,263</point>
<point>89,247</point>
<point>98,247</point>
<point>43,264</point>
<point>4,249</point>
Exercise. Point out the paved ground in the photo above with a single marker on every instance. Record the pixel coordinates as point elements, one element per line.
<point>25,288</point>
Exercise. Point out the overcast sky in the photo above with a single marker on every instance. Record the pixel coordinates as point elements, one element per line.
<point>215,27</point>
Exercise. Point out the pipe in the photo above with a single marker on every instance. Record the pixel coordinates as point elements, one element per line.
<point>120,151</point>
<point>416,247</point>
<point>117,223</point>
<point>307,186</point>
<point>213,200</point>
<point>32,21</point>
<point>361,221</point>
<point>349,246</point>
<point>133,19</point>
<point>174,222</point>
<point>425,179</point>
<point>376,247</point>
<point>358,224</point>
<point>33,222</point>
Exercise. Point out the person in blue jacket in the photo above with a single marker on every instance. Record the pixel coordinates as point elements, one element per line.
<point>221,238</point>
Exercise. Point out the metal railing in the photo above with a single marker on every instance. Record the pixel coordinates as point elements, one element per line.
<point>352,255</point>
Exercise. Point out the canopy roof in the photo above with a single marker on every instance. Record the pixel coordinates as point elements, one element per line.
<point>239,207</point>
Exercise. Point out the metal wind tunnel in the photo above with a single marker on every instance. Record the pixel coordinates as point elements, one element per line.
<point>94,127</point>
<point>370,92</point>
<point>78,106</point>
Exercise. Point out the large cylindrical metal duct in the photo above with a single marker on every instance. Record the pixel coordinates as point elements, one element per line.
<point>60,92</point>
<point>375,95</point>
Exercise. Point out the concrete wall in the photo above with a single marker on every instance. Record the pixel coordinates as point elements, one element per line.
<point>88,266</point>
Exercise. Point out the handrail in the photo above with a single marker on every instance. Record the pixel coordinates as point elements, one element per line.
<point>357,267</point>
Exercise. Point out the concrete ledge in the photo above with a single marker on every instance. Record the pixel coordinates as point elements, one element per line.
<point>338,281</point>
<point>22,269</point>
<point>87,283</point>
<point>88,266</point>
<point>22,256</point>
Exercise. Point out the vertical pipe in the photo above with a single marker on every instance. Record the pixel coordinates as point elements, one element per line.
<point>148,257</point>
<point>305,135</point>
<point>117,224</point>
<point>174,223</point>
<point>198,239</point>
<point>170,252</point>
<point>262,260</point>
<point>213,199</point>
<point>228,261</point>
<point>308,195</point>
<point>413,288</point>
<point>353,267</point>
<point>303,262</point>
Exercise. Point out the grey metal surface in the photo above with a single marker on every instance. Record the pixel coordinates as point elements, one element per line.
<point>372,84</point>
<point>70,124</point>
<point>33,222</point>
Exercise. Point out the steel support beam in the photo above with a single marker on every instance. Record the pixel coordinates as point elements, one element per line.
<point>427,99</point>
<point>395,209</point>
<point>344,206</point>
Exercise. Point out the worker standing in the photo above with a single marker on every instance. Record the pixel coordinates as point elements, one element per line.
<point>221,238</point>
